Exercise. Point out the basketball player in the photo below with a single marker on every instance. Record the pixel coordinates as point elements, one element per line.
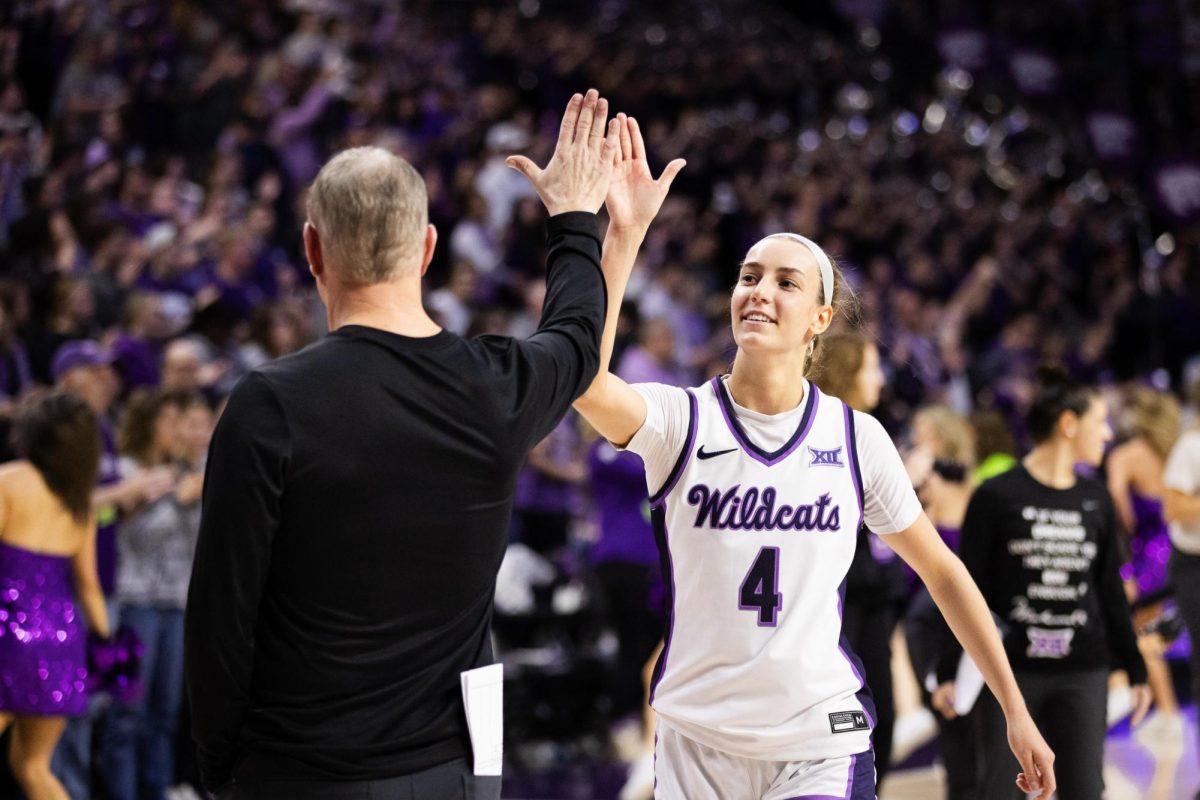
<point>758,486</point>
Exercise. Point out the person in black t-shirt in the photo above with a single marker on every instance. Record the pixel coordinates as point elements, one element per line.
<point>1042,544</point>
<point>358,494</point>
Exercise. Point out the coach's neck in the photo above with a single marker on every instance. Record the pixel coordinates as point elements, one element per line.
<point>393,305</point>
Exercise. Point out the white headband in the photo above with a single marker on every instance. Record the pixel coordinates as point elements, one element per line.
<point>819,255</point>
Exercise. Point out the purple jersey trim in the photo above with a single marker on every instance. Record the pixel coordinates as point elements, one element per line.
<point>855,472</point>
<point>658,521</point>
<point>753,450</point>
<point>863,694</point>
<point>677,471</point>
<point>860,781</point>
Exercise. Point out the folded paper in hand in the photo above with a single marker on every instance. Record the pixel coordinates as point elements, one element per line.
<point>483,699</point>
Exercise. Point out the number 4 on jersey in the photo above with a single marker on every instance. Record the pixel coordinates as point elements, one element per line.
<point>759,591</point>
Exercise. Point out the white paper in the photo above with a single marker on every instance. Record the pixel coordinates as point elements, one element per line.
<point>483,699</point>
<point>968,683</point>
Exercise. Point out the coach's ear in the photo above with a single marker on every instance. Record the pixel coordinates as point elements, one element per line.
<point>312,251</point>
<point>430,245</point>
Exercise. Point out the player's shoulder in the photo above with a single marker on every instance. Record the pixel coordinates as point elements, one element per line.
<point>1093,488</point>
<point>667,394</point>
<point>1005,484</point>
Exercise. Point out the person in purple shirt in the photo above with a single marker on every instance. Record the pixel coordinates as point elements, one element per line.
<point>626,562</point>
<point>547,488</point>
<point>652,358</point>
<point>136,349</point>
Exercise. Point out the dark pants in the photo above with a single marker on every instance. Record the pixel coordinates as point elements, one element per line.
<point>868,628</point>
<point>139,742</point>
<point>1185,579</point>
<point>450,781</point>
<point>627,596</point>
<point>928,638</point>
<point>1069,709</point>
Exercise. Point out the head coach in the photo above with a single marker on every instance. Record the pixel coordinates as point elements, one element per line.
<point>358,494</point>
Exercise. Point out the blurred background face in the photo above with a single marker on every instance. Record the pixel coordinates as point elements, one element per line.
<point>181,366</point>
<point>925,434</point>
<point>1093,433</point>
<point>869,380</point>
<point>658,337</point>
<point>97,385</point>
<point>166,440</point>
<point>195,426</point>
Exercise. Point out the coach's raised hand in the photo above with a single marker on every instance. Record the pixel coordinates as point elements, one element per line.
<point>579,172</point>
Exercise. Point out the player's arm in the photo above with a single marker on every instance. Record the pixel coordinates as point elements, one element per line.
<point>611,406</point>
<point>1181,502</point>
<point>965,610</point>
<point>87,582</point>
<point>1120,477</point>
<point>1180,507</point>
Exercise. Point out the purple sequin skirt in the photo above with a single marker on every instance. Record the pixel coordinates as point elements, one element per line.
<point>43,657</point>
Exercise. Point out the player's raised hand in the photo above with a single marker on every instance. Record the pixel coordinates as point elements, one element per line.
<point>579,172</point>
<point>634,196</point>
<point>1036,757</point>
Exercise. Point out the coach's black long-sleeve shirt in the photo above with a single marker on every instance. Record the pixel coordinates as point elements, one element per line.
<point>355,514</point>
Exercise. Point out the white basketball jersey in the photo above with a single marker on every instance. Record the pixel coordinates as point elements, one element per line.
<point>755,548</point>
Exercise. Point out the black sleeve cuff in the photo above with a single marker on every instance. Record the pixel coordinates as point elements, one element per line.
<point>1135,667</point>
<point>580,222</point>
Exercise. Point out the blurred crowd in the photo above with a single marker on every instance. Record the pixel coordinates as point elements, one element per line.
<point>154,158</point>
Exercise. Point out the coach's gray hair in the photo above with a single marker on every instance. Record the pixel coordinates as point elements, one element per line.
<point>370,209</point>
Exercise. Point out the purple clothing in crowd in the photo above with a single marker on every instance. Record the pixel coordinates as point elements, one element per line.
<point>638,366</point>
<point>137,362</point>
<point>951,536</point>
<point>541,493</point>
<point>618,484</point>
<point>106,529</point>
<point>1149,545</point>
<point>43,663</point>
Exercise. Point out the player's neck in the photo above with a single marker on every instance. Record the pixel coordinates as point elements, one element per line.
<point>1053,464</point>
<point>393,307</point>
<point>765,390</point>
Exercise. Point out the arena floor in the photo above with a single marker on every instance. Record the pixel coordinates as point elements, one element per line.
<point>1141,766</point>
<point>1136,768</point>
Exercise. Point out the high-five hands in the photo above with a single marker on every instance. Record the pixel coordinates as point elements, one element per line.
<point>634,196</point>
<point>578,175</point>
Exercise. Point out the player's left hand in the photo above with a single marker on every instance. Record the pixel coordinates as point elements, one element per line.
<point>1035,756</point>
<point>634,196</point>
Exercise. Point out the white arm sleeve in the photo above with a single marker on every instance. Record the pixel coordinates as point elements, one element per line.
<point>663,433</point>
<point>1183,467</point>
<point>889,503</point>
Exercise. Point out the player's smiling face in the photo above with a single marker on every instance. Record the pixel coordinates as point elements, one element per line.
<point>777,301</point>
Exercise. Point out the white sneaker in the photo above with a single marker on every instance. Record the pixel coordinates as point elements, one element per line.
<point>911,731</point>
<point>1120,704</point>
<point>640,784</point>
<point>1162,732</point>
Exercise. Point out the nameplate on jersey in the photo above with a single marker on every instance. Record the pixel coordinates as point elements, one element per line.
<point>847,721</point>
